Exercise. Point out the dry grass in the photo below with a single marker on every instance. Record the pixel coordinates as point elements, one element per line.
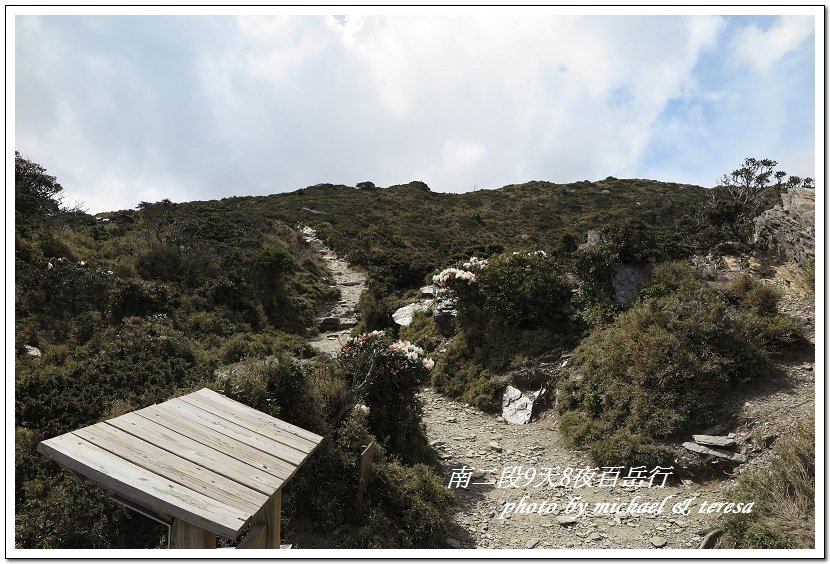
<point>784,496</point>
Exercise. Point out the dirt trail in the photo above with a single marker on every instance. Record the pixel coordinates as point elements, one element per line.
<point>350,283</point>
<point>468,437</point>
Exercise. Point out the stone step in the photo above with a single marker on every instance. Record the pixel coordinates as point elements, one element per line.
<point>700,449</point>
<point>711,440</point>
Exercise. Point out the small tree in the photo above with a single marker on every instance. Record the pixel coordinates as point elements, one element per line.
<point>743,194</point>
<point>36,194</point>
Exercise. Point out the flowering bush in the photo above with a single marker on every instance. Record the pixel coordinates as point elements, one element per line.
<point>387,375</point>
<point>519,305</point>
<point>522,289</point>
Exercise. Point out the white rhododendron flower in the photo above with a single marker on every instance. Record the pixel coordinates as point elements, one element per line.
<point>429,363</point>
<point>443,278</point>
<point>476,263</point>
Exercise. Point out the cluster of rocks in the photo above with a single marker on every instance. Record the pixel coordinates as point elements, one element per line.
<point>486,444</point>
<point>443,309</point>
<point>716,446</point>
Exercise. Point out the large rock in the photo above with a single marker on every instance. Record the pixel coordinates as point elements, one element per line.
<point>403,316</point>
<point>516,407</point>
<point>628,280</point>
<point>788,231</point>
<point>444,313</point>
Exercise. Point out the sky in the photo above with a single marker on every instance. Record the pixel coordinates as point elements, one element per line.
<point>125,109</point>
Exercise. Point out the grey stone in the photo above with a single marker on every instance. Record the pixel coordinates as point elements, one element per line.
<point>658,542</point>
<point>516,408</point>
<point>566,520</point>
<point>710,440</point>
<point>347,322</point>
<point>531,543</point>
<point>595,537</point>
<point>495,446</point>
<point>403,316</point>
<point>628,280</point>
<point>700,449</point>
<point>310,211</point>
<point>329,324</point>
<point>33,351</point>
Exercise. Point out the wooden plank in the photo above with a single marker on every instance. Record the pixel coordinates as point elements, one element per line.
<point>142,487</point>
<point>258,415</point>
<point>229,445</point>
<point>198,453</point>
<point>257,537</point>
<point>188,535</point>
<point>217,424</point>
<point>265,525</point>
<point>173,467</point>
<point>241,418</point>
<point>366,459</point>
<point>273,516</point>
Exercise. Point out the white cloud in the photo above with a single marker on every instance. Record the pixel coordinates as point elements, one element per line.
<point>206,108</point>
<point>764,48</point>
<point>461,155</point>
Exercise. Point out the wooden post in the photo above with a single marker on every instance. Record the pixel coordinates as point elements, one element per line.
<point>265,525</point>
<point>366,458</point>
<point>188,535</point>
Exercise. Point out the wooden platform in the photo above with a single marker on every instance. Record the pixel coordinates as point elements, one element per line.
<point>201,458</point>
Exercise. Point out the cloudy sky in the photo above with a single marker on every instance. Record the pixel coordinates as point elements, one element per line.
<point>139,108</point>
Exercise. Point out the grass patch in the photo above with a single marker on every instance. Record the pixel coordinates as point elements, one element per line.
<point>784,496</point>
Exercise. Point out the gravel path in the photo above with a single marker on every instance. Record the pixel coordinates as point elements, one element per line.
<point>350,283</point>
<point>465,436</point>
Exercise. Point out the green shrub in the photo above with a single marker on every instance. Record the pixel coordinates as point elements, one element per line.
<point>509,306</point>
<point>753,294</point>
<point>457,376</point>
<point>662,370</point>
<point>422,331</point>
<point>375,311</point>
<point>244,345</point>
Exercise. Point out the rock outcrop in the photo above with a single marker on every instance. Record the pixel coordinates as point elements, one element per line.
<point>788,231</point>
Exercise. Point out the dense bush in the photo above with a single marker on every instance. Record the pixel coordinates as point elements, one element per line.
<point>663,369</point>
<point>510,304</point>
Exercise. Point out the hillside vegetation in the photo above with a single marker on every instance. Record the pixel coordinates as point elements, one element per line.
<point>133,307</point>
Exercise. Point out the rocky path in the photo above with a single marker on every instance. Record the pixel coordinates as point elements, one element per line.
<point>468,438</point>
<point>335,323</point>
